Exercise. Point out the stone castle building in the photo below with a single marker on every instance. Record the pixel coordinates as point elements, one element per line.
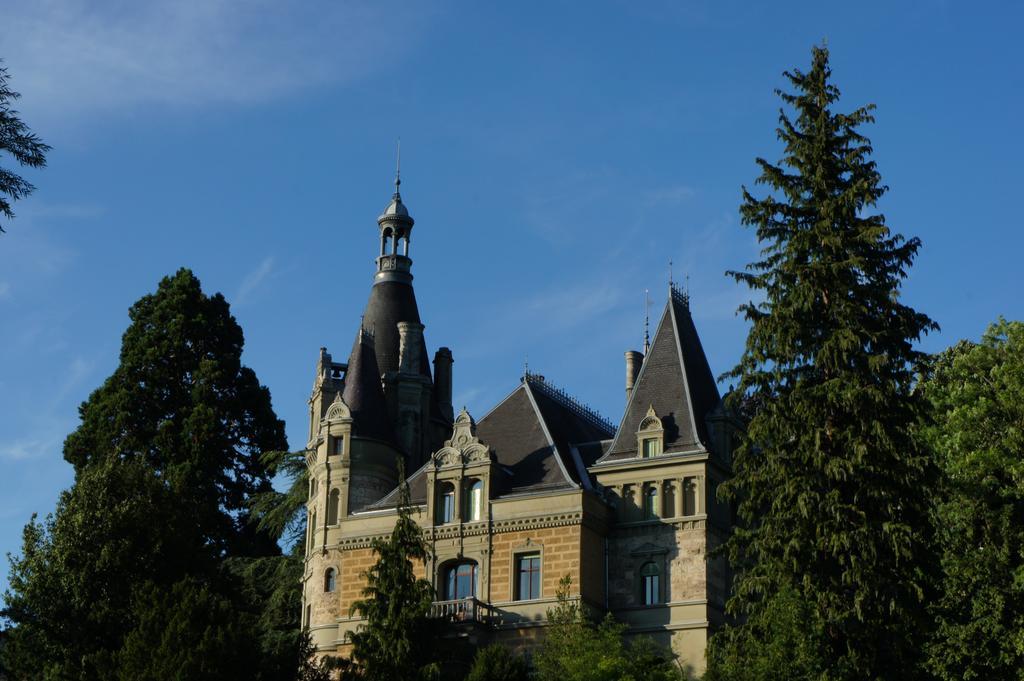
<point>538,488</point>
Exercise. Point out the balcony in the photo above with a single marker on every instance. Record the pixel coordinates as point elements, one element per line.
<point>462,611</point>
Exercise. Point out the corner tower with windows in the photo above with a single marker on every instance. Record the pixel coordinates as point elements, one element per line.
<point>660,474</point>
<point>366,414</point>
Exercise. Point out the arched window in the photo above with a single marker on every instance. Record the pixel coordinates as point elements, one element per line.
<point>330,579</point>
<point>650,502</point>
<point>474,501</point>
<point>460,581</point>
<point>651,435</point>
<point>445,503</point>
<point>333,502</point>
<point>650,589</point>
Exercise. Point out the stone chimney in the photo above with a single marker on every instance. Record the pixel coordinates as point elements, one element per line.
<point>410,347</point>
<point>634,360</point>
<point>443,381</point>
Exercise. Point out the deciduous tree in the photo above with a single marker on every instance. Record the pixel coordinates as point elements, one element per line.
<point>977,390</point>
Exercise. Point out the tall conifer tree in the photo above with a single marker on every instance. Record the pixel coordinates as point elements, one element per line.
<point>149,561</point>
<point>395,644</point>
<point>831,488</point>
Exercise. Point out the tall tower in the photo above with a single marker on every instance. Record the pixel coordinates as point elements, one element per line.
<point>385,390</point>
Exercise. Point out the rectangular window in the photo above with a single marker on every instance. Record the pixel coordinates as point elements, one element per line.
<point>652,447</point>
<point>650,503</point>
<point>339,444</point>
<point>527,576</point>
<point>690,496</point>
<point>448,507</point>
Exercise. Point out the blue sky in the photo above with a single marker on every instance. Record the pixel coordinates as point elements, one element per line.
<point>555,156</point>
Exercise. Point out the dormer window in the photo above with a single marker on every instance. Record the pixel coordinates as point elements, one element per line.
<point>446,503</point>
<point>474,500</point>
<point>650,436</point>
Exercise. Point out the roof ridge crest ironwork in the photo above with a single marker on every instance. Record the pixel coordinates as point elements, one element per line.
<point>566,400</point>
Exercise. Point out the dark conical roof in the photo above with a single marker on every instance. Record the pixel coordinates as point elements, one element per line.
<point>391,302</point>
<point>363,392</point>
<point>676,381</point>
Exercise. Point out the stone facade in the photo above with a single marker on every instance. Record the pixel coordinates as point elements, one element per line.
<point>540,488</point>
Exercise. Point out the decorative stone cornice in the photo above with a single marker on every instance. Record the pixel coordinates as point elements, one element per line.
<point>456,530</point>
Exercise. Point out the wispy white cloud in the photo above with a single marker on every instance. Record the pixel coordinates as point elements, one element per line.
<point>43,433</point>
<point>672,195</point>
<point>31,448</point>
<point>252,281</point>
<point>73,56</point>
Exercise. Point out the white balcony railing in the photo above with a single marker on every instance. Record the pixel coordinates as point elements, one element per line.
<point>462,610</point>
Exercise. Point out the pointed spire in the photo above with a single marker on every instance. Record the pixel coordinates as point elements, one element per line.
<point>398,169</point>
<point>647,321</point>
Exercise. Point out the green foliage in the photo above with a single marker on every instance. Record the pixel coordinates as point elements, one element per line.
<point>783,641</point>
<point>496,663</point>
<point>23,146</point>
<point>831,486</point>
<point>188,632</point>
<point>282,514</point>
<point>395,642</point>
<point>977,391</point>
<point>182,402</point>
<point>575,648</point>
<point>149,567</point>
<point>71,590</point>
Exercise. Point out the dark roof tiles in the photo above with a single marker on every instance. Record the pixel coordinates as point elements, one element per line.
<point>676,381</point>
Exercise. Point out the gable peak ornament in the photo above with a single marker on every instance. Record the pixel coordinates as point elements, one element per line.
<point>338,410</point>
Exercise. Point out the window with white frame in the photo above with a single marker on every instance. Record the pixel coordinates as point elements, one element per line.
<point>474,500</point>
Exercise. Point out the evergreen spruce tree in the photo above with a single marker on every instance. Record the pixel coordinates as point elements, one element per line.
<point>977,390</point>
<point>831,486</point>
<point>395,644</point>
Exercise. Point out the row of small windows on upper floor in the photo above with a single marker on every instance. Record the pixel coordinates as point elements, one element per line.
<point>459,580</point>
<point>658,500</point>
<point>472,502</point>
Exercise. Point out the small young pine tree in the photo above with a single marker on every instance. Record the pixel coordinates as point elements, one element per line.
<point>395,642</point>
<point>831,486</point>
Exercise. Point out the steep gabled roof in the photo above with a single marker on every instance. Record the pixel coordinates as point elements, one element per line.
<point>676,381</point>
<point>541,438</point>
<point>569,423</point>
<point>518,434</point>
<point>363,392</point>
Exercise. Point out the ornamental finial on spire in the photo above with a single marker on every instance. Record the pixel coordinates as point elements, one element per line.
<point>398,168</point>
